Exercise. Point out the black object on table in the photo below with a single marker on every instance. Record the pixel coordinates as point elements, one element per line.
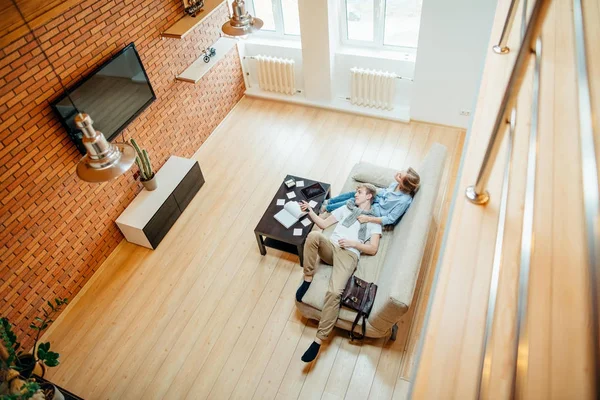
<point>68,395</point>
<point>270,233</point>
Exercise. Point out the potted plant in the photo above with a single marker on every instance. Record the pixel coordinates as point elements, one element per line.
<point>12,385</point>
<point>147,176</point>
<point>17,367</point>
<point>40,356</point>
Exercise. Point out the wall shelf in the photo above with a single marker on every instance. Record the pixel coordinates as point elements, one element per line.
<point>186,24</point>
<point>199,68</point>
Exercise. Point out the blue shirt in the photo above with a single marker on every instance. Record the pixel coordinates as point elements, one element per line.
<point>390,205</point>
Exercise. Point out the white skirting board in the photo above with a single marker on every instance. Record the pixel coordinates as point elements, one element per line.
<point>199,68</point>
<point>399,113</point>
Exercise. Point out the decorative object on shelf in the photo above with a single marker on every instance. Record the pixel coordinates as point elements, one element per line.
<point>208,53</point>
<point>147,176</point>
<point>103,161</point>
<point>241,23</point>
<point>200,66</point>
<point>192,7</point>
<point>16,367</point>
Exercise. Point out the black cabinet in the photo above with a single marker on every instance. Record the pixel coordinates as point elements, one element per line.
<point>162,221</point>
<point>188,187</point>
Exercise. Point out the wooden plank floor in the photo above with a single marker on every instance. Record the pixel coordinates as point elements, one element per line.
<point>205,315</point>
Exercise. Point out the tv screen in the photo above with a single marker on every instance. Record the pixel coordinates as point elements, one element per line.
<point>113,95</point>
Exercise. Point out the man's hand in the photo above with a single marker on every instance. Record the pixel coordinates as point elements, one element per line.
<point>304,206</point>
<point>345,243</point>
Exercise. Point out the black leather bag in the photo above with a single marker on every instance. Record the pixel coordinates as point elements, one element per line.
<point>359,296</point>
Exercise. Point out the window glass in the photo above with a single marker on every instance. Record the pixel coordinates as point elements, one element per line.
<point>264,11</point>
<point>359,14</point>
<point>402,20</point>
<point>291,21</point>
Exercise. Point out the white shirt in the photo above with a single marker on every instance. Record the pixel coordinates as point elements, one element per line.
<point>351,232</point>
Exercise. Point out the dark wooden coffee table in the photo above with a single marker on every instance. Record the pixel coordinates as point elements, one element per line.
<point>270,233</point>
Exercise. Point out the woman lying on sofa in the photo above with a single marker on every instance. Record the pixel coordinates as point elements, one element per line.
<point>390,203</point>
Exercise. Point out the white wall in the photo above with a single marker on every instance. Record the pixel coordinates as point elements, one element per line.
<point>450,56</point>
<point>447,71</point>
<point>317,54</point>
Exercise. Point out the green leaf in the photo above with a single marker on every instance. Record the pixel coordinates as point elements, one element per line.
<point>32,326</point>
<point>44,346</point>
<point>39,319</point>
<point>51,363</point>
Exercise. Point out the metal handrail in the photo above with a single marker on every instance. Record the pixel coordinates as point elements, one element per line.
<point>589,165</point>
<point>478,194</point>
<point>523,19</point>
<point>486,360</point>
<point>521,349</point>
<point>501,47</point>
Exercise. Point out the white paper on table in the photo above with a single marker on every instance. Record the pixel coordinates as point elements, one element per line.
<point>306,221</point>
<point>312,204</point>
<point>300,183</point>
<point>297,232</point>
<point>291,195</point>
<point>280,202</point>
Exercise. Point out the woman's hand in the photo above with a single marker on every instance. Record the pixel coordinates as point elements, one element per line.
<point>364,218</point>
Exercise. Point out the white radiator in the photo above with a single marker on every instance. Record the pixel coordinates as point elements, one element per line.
<point>276,74</point>
<point>372,88</point>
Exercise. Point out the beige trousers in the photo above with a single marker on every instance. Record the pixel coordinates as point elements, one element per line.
<point>344,263</point>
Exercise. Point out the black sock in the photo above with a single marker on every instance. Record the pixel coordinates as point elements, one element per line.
<point>311,353</point>
<point>302,290</point>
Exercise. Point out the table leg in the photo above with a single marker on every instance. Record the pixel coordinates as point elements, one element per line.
<point>261,244</point>
<point>301,254</point>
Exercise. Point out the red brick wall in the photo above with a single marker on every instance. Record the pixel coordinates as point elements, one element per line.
<point>56,230</point>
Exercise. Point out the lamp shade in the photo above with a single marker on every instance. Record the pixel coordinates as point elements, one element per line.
<point>103,161</point>
<point>241,23</point>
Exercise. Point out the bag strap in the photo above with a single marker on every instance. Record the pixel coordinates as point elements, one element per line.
<point>354,335</point>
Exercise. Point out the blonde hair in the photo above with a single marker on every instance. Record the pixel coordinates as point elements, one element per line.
<point>411,181</point>
<point>371,189</point>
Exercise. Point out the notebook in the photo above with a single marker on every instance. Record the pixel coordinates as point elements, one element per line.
<point>290,214</point>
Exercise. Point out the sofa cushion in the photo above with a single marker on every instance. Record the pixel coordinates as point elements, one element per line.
<point>370,173</point>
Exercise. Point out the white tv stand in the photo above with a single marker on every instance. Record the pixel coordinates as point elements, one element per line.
<point>151,214</point>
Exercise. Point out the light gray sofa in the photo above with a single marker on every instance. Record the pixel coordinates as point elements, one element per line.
<point>395,268</point>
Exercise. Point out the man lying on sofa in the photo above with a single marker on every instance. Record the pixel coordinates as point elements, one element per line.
<point>342,250</point>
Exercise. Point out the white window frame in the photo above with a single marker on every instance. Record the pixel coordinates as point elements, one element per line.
<point>378,29</point>
<point>277,17</point>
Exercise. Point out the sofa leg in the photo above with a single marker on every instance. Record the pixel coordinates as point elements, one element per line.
<point>394,332</point>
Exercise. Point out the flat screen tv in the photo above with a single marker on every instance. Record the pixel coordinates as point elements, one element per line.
<point>113,95</point>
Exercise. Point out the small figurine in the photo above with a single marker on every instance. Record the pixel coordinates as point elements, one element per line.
<point>208,53</point>
<point>192,7</point>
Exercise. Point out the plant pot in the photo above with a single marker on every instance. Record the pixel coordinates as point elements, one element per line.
<point>27,366</point>
<point>150,184</point>
<point>51,392</point>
